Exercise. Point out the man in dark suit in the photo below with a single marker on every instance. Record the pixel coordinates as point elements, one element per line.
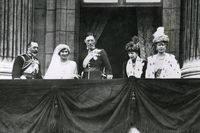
<point>96,64</point>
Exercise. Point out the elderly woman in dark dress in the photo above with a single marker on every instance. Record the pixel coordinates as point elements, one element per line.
<point>135,66</point>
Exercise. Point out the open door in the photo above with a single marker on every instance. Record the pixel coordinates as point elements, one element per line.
<point>113,29</point>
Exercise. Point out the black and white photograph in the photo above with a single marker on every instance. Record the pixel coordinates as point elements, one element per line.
<point>99,66</point>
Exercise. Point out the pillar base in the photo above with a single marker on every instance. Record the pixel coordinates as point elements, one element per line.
<point>191,69</point>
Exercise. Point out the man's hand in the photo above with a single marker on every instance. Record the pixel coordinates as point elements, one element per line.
<point>22,77</point>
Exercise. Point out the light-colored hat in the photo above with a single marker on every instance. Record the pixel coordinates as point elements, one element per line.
<point>160,36</point>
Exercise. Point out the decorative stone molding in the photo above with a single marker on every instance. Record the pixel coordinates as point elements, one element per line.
<point>191,69</point>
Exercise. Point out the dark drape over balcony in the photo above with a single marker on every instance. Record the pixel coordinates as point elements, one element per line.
<point>105,106</point>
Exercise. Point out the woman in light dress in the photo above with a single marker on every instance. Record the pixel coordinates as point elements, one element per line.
<point>162,64</point>
<point>61,67</point>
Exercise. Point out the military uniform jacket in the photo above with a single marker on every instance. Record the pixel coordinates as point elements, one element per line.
<point>28,66</point>
<point>95,62</point>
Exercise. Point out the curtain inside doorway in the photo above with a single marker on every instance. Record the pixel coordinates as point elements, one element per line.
<point>115,27</point>
<point>118,25</point>
<point>93,21</point>
<point>148,19</point>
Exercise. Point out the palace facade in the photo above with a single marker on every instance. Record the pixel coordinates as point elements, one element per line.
<point>51,22</point>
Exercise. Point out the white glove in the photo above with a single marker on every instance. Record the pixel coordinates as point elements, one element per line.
<point>109,76</point>
<point>22,77</point>
<point>76,76</point>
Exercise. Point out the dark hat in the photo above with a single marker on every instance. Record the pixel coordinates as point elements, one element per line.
<point>132,47</point>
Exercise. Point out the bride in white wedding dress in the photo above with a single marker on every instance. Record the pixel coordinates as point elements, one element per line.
<point>61,67</point>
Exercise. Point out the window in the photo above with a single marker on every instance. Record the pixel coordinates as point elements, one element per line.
<point>100,1</point>
<point>121,3</point>
<point>143,1</point>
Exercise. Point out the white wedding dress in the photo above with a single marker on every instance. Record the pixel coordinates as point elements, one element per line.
<point>61,70</point>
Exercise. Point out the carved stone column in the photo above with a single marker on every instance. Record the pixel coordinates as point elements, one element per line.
<point>16,30</point>
<point>190,38</point>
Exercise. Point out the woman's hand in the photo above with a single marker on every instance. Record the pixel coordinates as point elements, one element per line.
<point>158,72</point>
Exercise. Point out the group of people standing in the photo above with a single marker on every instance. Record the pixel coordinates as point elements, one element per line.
<point>160,65</point>
<point>96,64</point>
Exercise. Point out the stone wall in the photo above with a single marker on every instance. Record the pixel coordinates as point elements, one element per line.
<point>56,21</point>
<point>171,22</point>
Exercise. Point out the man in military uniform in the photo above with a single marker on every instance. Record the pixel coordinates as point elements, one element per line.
<point>96,64</point>
<point>27,66</point>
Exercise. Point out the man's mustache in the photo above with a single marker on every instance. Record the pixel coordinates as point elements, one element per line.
<point>35,52</point>
<point>90,45</point>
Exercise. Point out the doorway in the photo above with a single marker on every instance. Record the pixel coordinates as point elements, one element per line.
<point>118,28</point>
<point>113,27</point>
